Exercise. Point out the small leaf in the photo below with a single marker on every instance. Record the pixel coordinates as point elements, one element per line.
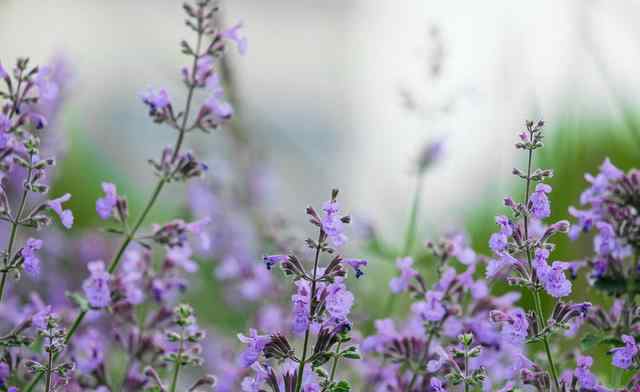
<point>341,386</point>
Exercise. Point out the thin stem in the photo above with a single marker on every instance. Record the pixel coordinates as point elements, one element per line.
<point>466,368</point>
<point>154,197</point>
<point>535,292</point>
<point>409,235</point>
<point>413,218</point>
<point>176,371</point>
<point>412,382</point>
<point>14,229</point>
<point>49,367</point>
<point>335,363</point>
<point>305,347</point>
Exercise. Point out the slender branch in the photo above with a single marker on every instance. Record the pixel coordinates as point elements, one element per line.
<point>161,183</point>
<point>466,368</point>
<point>413,218</point>
<point>49,366</point>
<point>176,371</point>
<point>335,363</point>
<point>311,306</point>
<point>534,291</point>
<point>16,219</point>
<point>409,235</point>
<point>413,381</point>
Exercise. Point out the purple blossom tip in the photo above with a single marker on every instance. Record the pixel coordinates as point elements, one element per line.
<point>357,265</point>
<point>106,204</point>
<point>66,216</point>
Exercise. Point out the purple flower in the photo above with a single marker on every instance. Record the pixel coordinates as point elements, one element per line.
<point>106,204</point>
<point>585,222</point>
<point>233,34</point>
<point>301,301</point>
<point>506,227</point>
<point>47,88</point>
<point>255,344</point>
<point>606,243</point>
<point>623,356</point>
<point>539,202</point>
<point>5,123</point>
<point>385,332</point>
<point>38,120</point>
<point>4,373</point>
<point>198,228</point>
<point>515,324</point>
<point>66,216</point>
<point>216,103</point>
<point>156,100</point>
<point>181,256</point>
<point>272,260</point>
<point>357,265</point>
<point>311,387</point>
<point>554,280</point>
<point>39,319</point>
<point>461,249</point>
<point>401,283</point>
<point>430,154</point>
<point>89,351</point>
<point>498,242</point>
<point>431,309</point>
<point>3,72</point>
<point>332,223</point>
<point>31,261</point>
<point>339,301</point>
<point>497,266</point>
<point>436,385</point>
<point>583,373</point>
<point>204,69</point>
<point>96,286</point>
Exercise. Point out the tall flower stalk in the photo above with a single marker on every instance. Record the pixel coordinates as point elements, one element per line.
<point>20,126</point>
<point>515,240</point>
<point>321,306</point>
<point>174,165</point>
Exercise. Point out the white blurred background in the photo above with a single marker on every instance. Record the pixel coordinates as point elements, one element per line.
<point>325,85</point>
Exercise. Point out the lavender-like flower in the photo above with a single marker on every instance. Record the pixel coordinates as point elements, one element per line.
<point>97,286</point>
<point>624,357</point>
<point>321,306</point>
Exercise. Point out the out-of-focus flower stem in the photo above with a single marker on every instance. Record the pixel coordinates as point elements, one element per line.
<point>154,197</point>
<point>535,292</point>
<point>176,369</point>
<point>23,200</point>
<point>410,234</point>
<point>311,304</point>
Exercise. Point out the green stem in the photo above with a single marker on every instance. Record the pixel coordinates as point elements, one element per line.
<point>413,218</point>
<point>335,363</point>
<point>466,368</point>
<point>176,371</point>
<point>409,236</point>
<point>49,371</point>
<point>154,197</point>
<point>413,381</point>
<point>14,230</point>
<point>305,346</point>
<point>534,291</point>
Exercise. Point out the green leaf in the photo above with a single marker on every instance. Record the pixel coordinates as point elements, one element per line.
<point>341,386</point>
<point>613,285</point>
<point>589,341</point>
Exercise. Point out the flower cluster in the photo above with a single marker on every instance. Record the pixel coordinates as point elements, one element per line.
<point>129,298</point>
<point>321,305</point>
<point>119,322</point>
